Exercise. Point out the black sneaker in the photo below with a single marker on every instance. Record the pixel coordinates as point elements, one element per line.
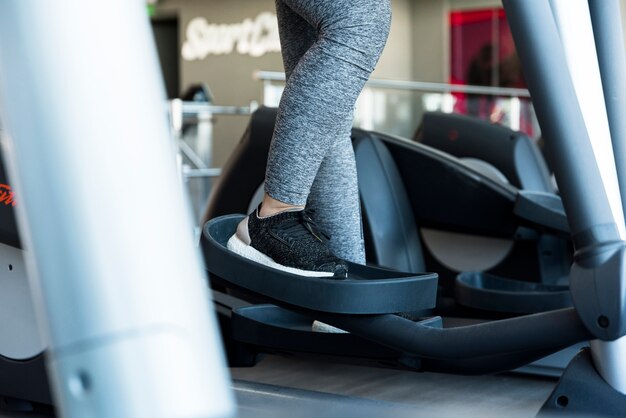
<point>288,241</point>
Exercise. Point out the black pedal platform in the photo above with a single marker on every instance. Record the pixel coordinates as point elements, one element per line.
<point>492,293</point>
<point>271,329</point>
<point>366,291</point>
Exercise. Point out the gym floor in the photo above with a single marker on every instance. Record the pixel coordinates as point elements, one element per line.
<point>411,394</point>
<point>294,388</point>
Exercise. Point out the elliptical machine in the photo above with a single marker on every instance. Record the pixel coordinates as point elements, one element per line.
<point>406,187</point>
<point>594,383</point>
<point>21,348</point>
<point>598,269</point>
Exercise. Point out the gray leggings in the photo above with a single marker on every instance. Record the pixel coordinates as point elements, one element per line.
<point>329,48</point>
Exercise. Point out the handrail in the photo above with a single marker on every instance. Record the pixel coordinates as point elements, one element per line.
<point>417,86</point>
<point>196,108</point>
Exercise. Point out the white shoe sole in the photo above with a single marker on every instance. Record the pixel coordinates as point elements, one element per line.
<point>319,326</point>
<point>236,245</point>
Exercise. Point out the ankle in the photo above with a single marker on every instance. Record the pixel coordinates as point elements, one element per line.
<point>271,206</point>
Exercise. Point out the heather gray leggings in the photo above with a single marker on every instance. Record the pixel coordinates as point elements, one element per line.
<point>329,49</point>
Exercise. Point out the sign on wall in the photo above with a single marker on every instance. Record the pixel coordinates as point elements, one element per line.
<point>254,37</point>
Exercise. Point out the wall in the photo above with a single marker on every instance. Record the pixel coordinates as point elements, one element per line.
<point>395,62</point>
<point>430,40</point>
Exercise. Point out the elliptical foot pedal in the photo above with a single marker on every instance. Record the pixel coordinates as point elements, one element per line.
<point>367,290</point>
<point>272,329</point>
<point>496,294</point>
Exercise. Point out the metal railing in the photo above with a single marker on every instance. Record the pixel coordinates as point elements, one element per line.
<point>192,126</point>
<point>196,148</point>
<point>182,113</point>
<point>421,86</point>
<point>442,92</point>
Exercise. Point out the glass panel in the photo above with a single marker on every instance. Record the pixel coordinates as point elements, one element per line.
<point>482,53</point>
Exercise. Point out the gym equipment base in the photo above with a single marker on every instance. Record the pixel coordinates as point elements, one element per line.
<point>365,305</point>
<point>582,392</point>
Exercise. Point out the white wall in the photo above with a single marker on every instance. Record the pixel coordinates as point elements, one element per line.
<point>396,62</point>
<point>430,40</point>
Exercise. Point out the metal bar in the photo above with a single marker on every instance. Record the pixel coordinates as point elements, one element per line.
<point>194,119</point>
<point>118,282</point>
<point>554,97</point>
<point>608,357</point>
<point>193,109</point>
<point>176,116</point>
<point>548,54</point>
<point>546,332</point>
<point>417,86</point>
<point>515,116</point>
<point>609,41</point>
<point>577,39</point>
<point>202,172</point>
<point>191,155</point>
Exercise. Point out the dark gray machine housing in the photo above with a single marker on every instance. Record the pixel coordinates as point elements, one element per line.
<point>429,188</point>
<point>513,153</point>
<point>8,227</point>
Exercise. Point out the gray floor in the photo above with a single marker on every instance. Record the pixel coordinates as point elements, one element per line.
<point>296,388</point>
<point>425,394</point>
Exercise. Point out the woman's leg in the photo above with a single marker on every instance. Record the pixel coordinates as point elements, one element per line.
<point>334,197</point>
<point>296,37</point>
<point>311,156</point>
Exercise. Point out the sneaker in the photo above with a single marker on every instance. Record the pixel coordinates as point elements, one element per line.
<point>288,241</point>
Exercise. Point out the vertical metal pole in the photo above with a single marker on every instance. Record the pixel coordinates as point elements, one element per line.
<point>609,41</point>
<point>586,187</point>
<point>608,358</point>
<point>556,103</point>
<point>515,113</point>
<point>122,295</point>
<point>577,39</point>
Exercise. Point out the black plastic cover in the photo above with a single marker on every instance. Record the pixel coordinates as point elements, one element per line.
<point>25,379</point>
<point>599,272</point>
<point>496,294</point>
<point>389,224</point>
<point>446,194</point>
<point>274,329</point>
<point>582,392</point>
<point>512,153</point>
<point>8,227</point>
<point>543,209</point>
